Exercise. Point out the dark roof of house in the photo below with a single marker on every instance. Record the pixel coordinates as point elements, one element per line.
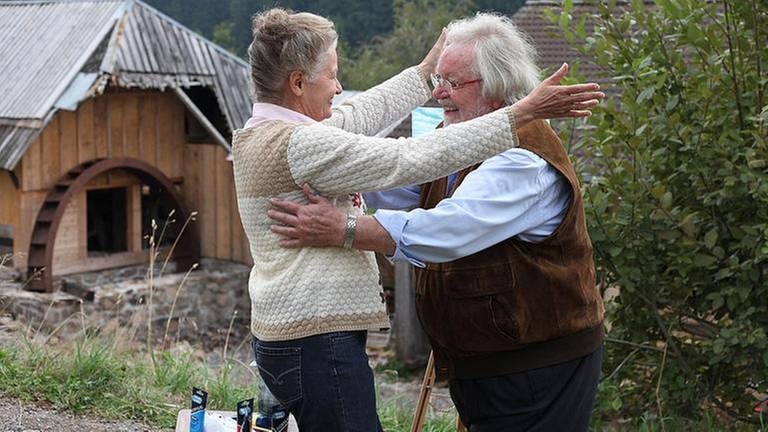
<point>552,47</point>
<point>57,53</point>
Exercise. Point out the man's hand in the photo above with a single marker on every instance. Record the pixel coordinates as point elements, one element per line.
<point>319,223</point>
<point>552,100</point>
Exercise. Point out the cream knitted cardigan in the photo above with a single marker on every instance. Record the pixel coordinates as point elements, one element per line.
<point>303,292</point>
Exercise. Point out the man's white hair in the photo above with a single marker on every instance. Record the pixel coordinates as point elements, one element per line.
<point>505,59</point>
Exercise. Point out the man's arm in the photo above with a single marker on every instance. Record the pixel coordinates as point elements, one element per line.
<point>322,224</point>
<point>515,194</point>
<point>404,198</point>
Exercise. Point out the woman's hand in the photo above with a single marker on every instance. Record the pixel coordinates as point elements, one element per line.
<point>552,100</point>
<point>429,64</point>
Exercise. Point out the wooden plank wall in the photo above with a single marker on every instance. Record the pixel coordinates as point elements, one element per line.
<point>147,125</point>
<point>209,189</point>
<point>10,208</point>
<point>141,125</point>
<point>68,251</point>
<point>9,197</point>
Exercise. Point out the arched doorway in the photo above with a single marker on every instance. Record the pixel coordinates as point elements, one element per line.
<point>40,259</point>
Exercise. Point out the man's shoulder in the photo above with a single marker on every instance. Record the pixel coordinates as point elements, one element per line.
<point>518,158</point>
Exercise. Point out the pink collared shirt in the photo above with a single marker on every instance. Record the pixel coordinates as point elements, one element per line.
<point>266,111</point>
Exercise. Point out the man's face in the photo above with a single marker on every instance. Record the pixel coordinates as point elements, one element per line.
<point>464,102</point>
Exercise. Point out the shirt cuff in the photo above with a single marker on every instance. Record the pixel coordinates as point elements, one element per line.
<point>394,223</point>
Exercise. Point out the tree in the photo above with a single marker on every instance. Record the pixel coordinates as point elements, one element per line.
<point>199,15</point>
<point>418,23</point>
<point>678,202</point>
<point>222,36</point>
<point>358,23</point>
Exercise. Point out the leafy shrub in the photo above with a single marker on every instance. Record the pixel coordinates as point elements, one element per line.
<point>677,204</point>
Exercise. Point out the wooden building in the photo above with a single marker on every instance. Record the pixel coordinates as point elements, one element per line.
<point>112,115</point>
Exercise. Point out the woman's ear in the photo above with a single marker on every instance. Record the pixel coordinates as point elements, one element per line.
<point>296,83</point>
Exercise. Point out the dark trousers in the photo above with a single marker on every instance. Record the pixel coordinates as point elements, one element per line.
<point>324,381</point>
<point>556,398</point>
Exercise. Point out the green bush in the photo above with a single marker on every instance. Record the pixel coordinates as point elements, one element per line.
<point>677,202</point>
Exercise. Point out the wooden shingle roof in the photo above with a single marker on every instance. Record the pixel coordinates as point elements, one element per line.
<point>57,53</point>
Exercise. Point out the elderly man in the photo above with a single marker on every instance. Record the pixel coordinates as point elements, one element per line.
<point>505,280</point>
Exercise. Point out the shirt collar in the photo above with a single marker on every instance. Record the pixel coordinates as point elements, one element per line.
<point>263,112</point>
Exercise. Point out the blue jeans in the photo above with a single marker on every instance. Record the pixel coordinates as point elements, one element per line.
<point>324,380</point>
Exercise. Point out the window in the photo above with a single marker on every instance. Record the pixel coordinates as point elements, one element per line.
<point>155,204</point>
<point>107,220</point>
<point>206,101</point>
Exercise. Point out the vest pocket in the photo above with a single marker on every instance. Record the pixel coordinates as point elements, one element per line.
<point>504,316</point>
<point>467,284</point>
<point>463,312</point>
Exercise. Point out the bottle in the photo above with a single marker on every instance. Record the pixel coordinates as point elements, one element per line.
<point>245,415</point>
<point>197,411</point>
<point>271,415</point>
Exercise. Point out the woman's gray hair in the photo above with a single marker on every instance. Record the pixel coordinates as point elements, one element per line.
<point>506,60</point>
<point>285,41</point>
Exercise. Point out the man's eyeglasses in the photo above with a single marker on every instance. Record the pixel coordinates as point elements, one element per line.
<point>438,81</point>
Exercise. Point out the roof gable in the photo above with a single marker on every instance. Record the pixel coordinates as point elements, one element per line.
<point>43,46</point>
<point>58,52</point>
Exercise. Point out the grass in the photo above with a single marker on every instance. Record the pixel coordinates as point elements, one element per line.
<point>395,370</point>
<point>88,376</point>
<point>397,419</point>
<point>704,423</point>
<point>113,376</point>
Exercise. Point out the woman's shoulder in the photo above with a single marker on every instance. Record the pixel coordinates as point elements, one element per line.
<point>264,126</point>
<point>272,132</point>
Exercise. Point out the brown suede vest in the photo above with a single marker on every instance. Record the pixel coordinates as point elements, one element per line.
<point>516,305</point>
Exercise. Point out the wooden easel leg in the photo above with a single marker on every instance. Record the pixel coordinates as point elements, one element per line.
<point>426,391</point>
<point>459,425</point>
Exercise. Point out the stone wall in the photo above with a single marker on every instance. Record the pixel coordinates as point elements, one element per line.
<point>200,305</point>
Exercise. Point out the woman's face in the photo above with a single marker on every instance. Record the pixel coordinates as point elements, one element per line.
<point>318,95</point>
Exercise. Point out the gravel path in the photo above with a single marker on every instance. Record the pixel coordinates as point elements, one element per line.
<point>15,417</point>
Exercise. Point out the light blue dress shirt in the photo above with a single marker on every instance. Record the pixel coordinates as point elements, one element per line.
<point>514,194</point>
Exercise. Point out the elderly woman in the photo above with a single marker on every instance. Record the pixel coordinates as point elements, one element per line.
<point>311,307</point>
